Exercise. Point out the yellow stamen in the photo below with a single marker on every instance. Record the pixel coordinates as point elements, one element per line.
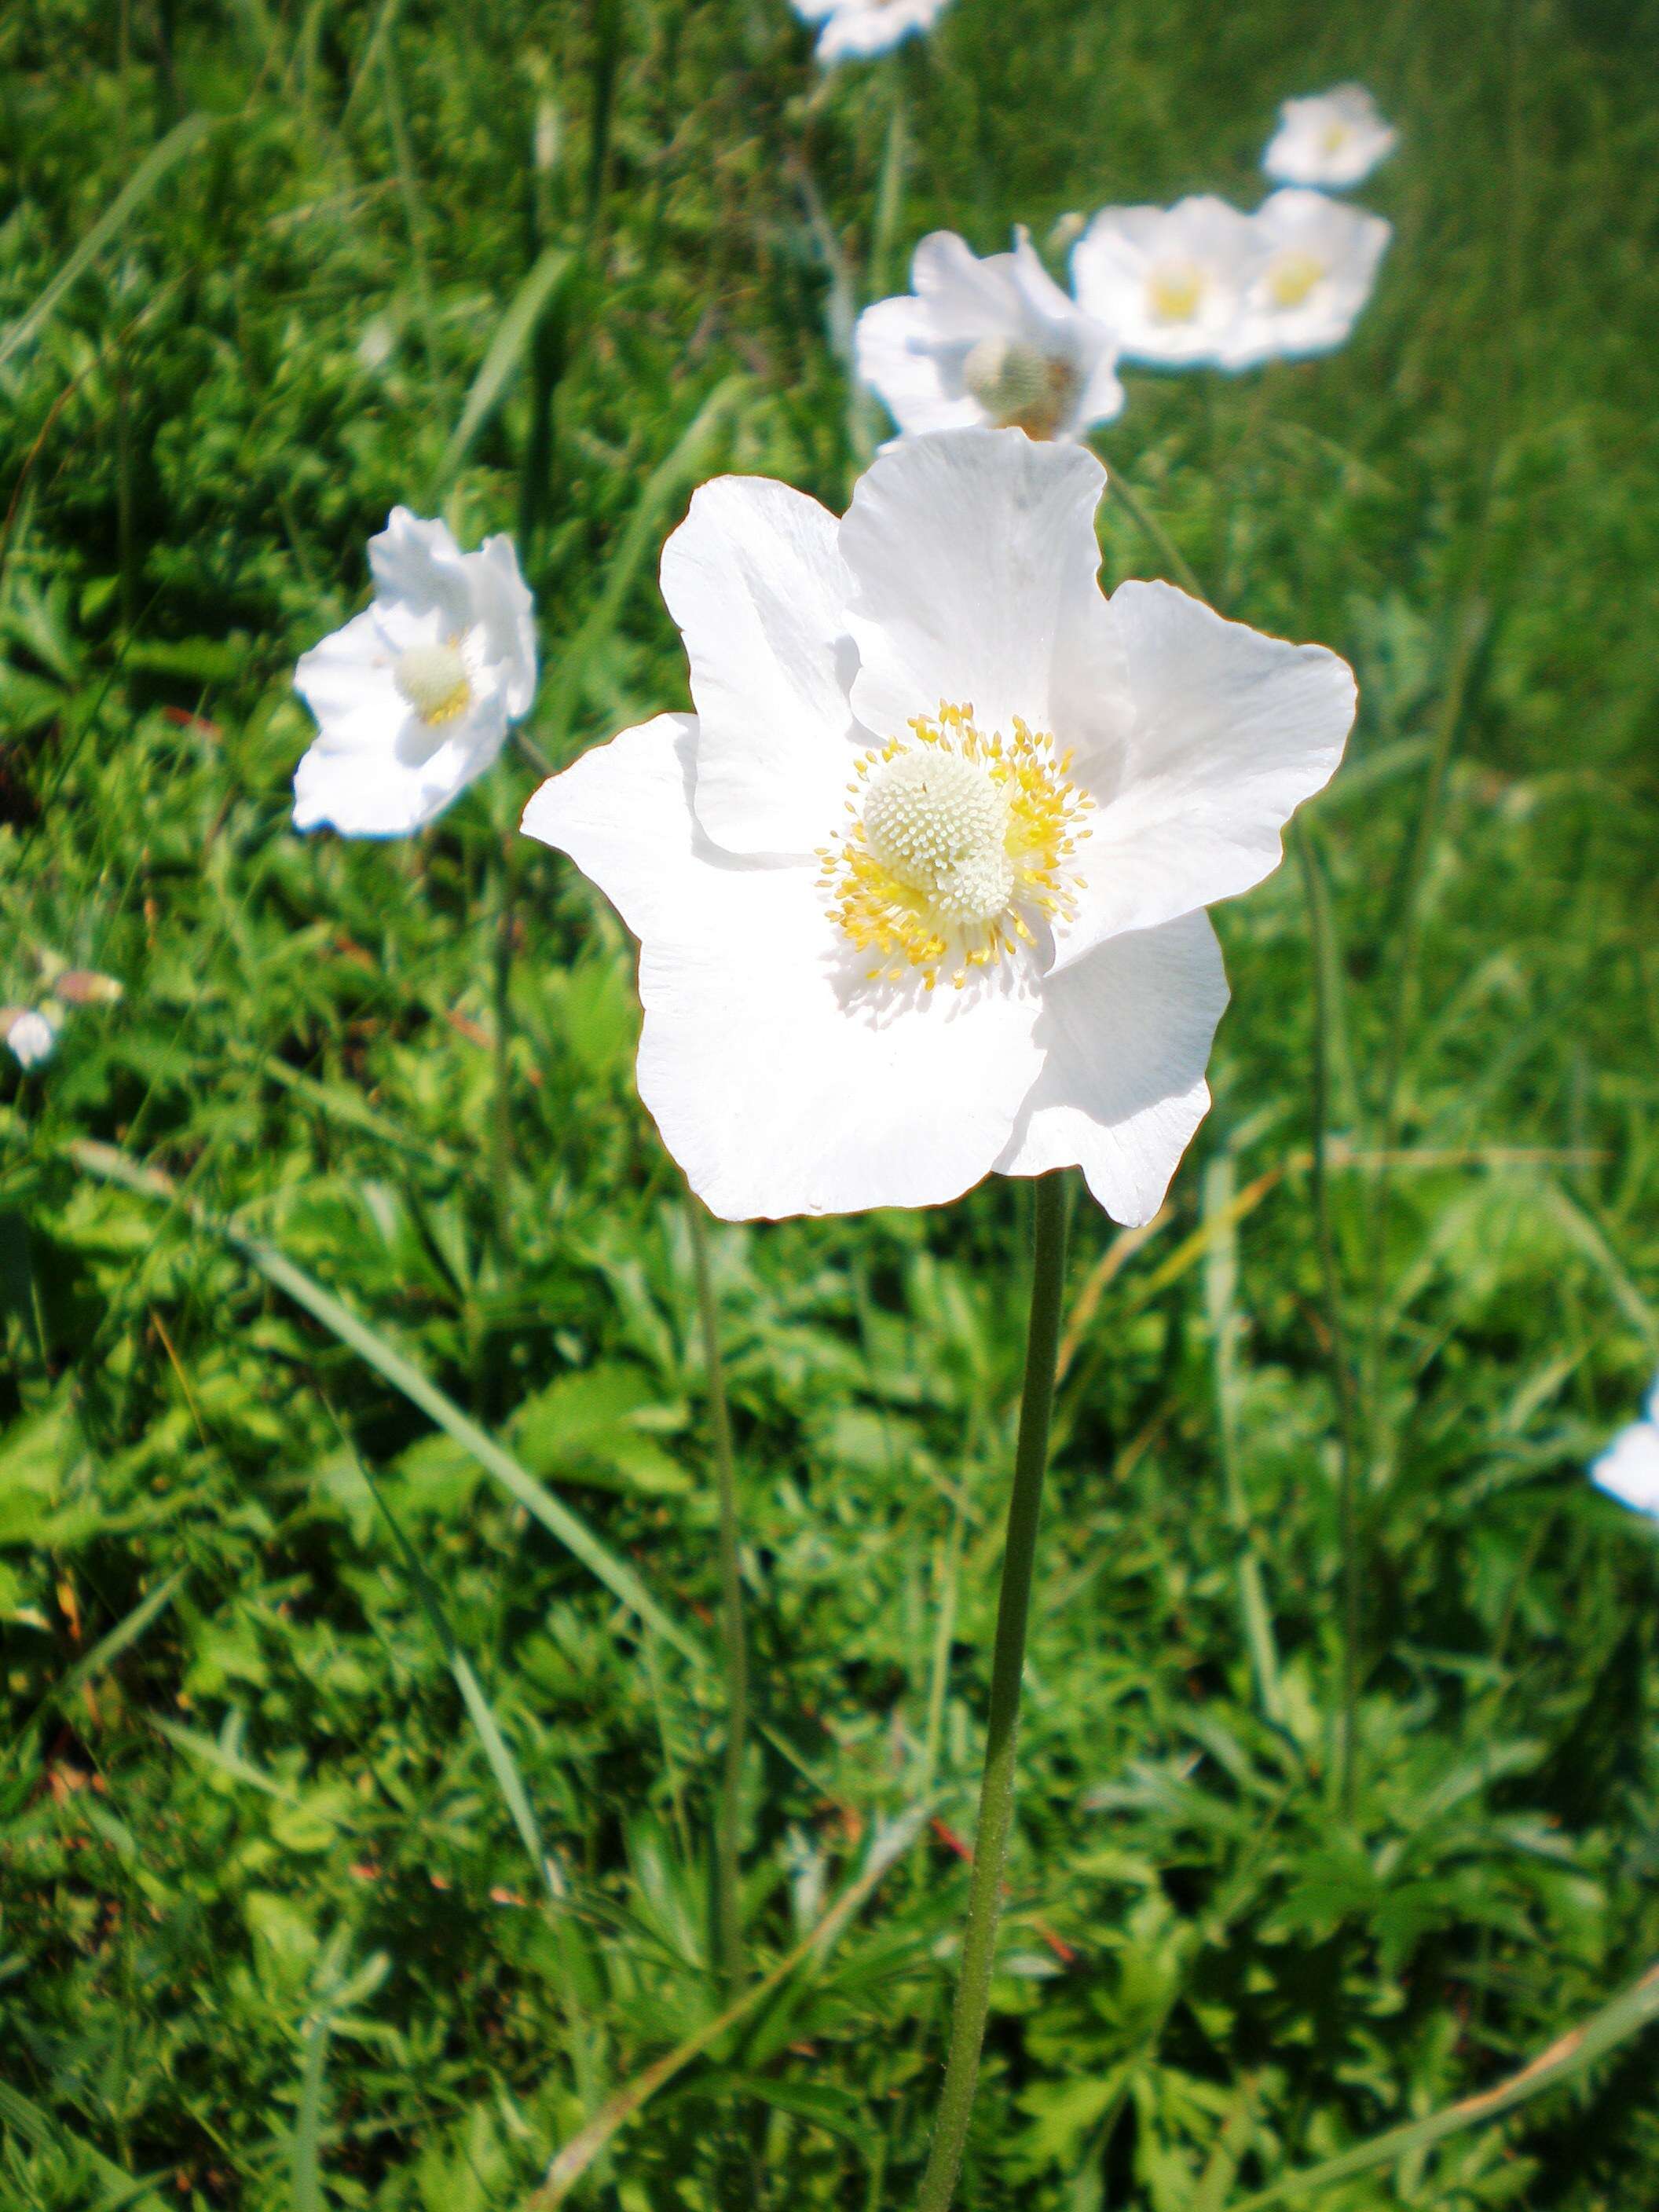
<point>1292,276</point>
<point>433,679</point>
<point>962,842</point>
<point>1175,291</point>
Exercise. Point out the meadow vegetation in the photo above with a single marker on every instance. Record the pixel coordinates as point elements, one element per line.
<point>355,1804</point>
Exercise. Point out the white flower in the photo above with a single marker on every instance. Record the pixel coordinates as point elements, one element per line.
<point>994,342</point>
<point>1629,1468</point>
<point>1169,282</point>
<point>413,696</point>
<point>919,886</point>
<point>860,27</point>
<point>1334,139</point>
<point>31,1035</point>
<point>1316,265</point>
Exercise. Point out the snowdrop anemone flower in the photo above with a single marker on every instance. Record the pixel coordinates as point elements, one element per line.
<point>856,28</point>
<point>919,887</point>
<point>996,342</point>
<point>413,697</point>
<point>1629,1468</point>
<point>1316,265</point>
<point>31,1035</point>
<point>1334,139</point>
<point>1169,281</point>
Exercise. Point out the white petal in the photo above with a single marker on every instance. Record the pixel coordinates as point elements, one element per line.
<point>776,1092</point>
<point>870,27</point>
<point>420,563</point>
<point>896,347</point>
<point>1232,731</point>
<point>1629,1469</point>
<point>389,778</point>
<point>1126,1035</point>
<point>755,581</point>
<point>1119,259</point>
<point>974,561</point>
<point>1334,139</point>
<point>31,1036</point>
<point>507,611</point>
<point>1345,242</point>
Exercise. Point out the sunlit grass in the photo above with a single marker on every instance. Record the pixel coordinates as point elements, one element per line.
<point>275,1931</point>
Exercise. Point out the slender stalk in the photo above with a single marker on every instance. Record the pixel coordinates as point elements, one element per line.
<point>501,1133</point>
<point>1152,529</point>
<point>996,1798</point>
<point>1330,1275</point>
<point>728,1911</point>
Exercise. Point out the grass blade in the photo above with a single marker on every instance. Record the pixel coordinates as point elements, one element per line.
<point>685,462</point>
<point>512,335</point>
<point>509,1780</point>
<point>182,139</point>
<point>1634,2009</point>
<point>307,2193</point>
<point>620,1579</point>
<point>578,2153</point>
<point>46,2132</point>
<point>109,1648</point>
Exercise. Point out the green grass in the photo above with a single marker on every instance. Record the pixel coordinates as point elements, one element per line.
<point>355,1836</point>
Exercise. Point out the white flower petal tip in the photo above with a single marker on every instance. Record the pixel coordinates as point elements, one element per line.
<point>855,29</point>
<point>919,891</point>
<point>1316,266</point>
<point>1333,138</point>
<point>414,697</point>
<point>1169,282</point>
<point>31,1035</point>
<point>993,343</point>
<point>1629,1468</point>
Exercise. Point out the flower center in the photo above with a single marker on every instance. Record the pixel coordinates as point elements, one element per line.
<point>1019,386</point>
<point>434,680</point>
<point>1333,137</point>
<point>1292,276</point>
<point>958,842</point>
<point>1175,291</point>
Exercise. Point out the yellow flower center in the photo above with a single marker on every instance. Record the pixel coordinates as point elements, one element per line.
<point>957,843</point>
<point>434,680</point>
<point>1333,137</point>
<point>1175,291</point>
<point>1018,386</point>
<point>1292,276</point>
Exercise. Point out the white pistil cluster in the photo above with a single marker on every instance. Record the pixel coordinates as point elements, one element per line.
<point>434,680</point>
<point>958,842</point>
<point>1019,386</point>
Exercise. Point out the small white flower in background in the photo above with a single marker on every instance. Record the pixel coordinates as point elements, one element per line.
<point>1316,265</point>
<point>1332,138</point>
<point>1629,1468</point>
<point>919,887</point>
<point>31,1035</point>
<point>855,28</point>
<point>995,343</point>
<point>413,697</point>
<point>1169,282</point>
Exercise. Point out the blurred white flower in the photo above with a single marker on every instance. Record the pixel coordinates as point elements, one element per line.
<point>853,28</point>
<point>928,753</point>
<point>413,697</point>
<point>31,1035</point>
<point>995,343</point>
<point>1332,138</point>
<point>1169,282</point>
<point>1315,266</point>
<point>1629,1468</point>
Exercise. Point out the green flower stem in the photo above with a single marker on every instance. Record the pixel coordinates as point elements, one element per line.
<point>728,1908</point>
<point>996,1797</point>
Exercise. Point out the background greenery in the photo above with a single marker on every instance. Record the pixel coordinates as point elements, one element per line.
<point>353,1836</point>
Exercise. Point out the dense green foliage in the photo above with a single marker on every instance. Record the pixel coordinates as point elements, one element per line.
<point>272,1934</point>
